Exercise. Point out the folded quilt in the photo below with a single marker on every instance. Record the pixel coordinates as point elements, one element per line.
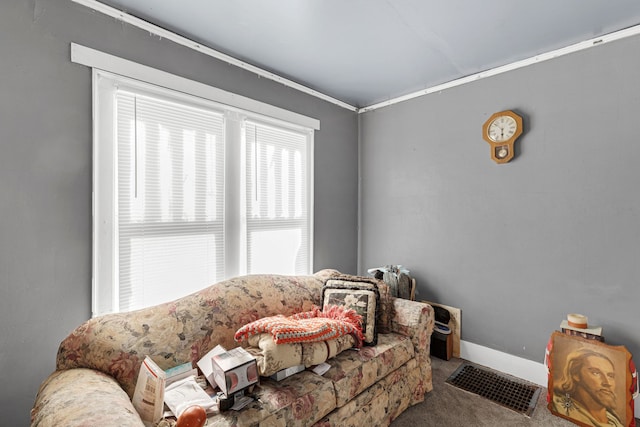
<point>309,326</point>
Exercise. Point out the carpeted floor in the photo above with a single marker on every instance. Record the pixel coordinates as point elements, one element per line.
<point>447,406</point>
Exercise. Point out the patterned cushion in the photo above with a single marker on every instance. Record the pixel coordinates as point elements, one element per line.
<point>385,308</point>
<point>364,299</point>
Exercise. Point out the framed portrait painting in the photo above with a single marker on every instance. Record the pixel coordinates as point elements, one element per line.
<point>591,383</point>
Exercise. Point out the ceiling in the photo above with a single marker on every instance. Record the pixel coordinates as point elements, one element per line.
<point>364,52</point>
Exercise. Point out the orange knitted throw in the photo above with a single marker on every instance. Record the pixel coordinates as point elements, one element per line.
<point>310,326</point>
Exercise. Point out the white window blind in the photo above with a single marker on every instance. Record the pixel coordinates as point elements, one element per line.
<point>170,199</point>
<point>188,192</point>
<point>277,200</point>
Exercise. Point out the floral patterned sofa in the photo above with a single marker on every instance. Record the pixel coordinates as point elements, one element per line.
<point>97,364</point>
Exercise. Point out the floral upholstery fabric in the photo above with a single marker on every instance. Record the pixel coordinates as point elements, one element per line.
<point>98,363</point>
<point>300,400</point>
<point>80,398</point>
<point>381,403</point>
<point>354,371</point>
<point>272,357</point>
<point>186,329</point>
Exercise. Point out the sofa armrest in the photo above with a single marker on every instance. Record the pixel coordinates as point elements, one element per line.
<point>83,397</point>
<point>416,320</point>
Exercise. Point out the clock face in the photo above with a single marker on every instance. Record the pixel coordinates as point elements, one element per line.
<point>502,128</point>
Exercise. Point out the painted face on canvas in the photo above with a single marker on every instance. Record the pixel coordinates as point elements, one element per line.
<point>597,377</point>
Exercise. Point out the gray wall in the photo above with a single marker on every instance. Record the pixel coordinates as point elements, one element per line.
<point>520,245</point>
<point>45,175</point>
<point>516,246</point>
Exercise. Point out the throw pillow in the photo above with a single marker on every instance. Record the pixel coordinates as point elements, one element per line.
<point>363,299</point>
<point>385,309</point>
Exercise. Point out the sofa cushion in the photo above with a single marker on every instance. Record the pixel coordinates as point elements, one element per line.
<point>355,370</point>
<point>300,400</point>
<point>381,403</point>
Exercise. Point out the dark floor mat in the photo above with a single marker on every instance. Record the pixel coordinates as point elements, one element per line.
<point>514,394</point>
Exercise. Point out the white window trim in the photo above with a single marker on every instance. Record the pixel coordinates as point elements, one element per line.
<point>104,61</point>
<point>107,65</point>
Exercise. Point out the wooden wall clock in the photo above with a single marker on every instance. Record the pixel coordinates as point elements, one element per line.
<point>501,131</point>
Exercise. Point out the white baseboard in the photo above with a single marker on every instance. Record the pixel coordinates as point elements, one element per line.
<point>513,365</point>
<point>526,369</point>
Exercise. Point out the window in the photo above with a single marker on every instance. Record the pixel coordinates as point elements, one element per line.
<point>188,191</point>
<point>277,230</point>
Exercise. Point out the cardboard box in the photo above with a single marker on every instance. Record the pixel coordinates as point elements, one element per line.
<point>234,370</point>
<point>205,364</point>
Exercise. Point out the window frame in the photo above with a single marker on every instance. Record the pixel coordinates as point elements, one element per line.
<point>104,192</point>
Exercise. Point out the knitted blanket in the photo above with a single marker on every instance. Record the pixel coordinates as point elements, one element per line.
<point>310,326</point>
